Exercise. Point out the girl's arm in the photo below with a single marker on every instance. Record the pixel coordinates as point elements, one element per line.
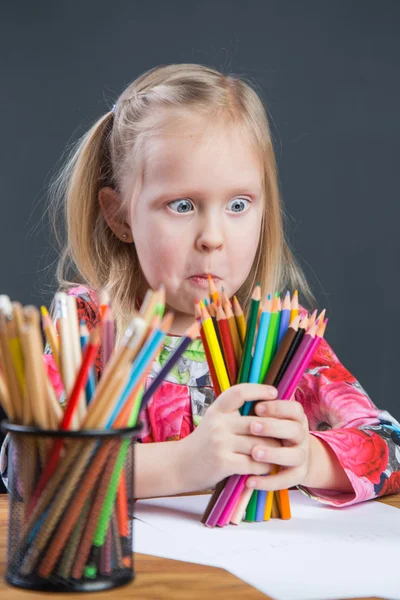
<point>354,442</point>
<point>159,469</point>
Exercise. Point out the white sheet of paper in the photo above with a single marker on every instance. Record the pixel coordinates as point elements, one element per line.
<point>320,553</point>
<point>147,538</point>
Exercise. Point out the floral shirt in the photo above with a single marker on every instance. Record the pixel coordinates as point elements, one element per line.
<point>365,440</point>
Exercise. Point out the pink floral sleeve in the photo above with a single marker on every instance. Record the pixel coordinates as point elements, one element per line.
<point>366,440</point>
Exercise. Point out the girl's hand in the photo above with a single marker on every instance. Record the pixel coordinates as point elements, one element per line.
<point>285,421</point>
<point>222,444</point>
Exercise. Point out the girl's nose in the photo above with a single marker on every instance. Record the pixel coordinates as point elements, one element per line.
<point>210,236</point>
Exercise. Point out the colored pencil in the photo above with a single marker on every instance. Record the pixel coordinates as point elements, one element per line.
<point>213,375</point>
<point>215,349</point>
<point>237,346</point>
<point>227,345</point>
<point>240,319</point>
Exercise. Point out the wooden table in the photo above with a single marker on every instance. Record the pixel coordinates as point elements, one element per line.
<point>156,578</point>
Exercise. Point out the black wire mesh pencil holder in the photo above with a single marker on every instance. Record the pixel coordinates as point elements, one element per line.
<point>73,532</point>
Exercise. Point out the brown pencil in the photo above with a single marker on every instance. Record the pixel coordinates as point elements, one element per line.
<point>240,319</point>
<point>237,346</point>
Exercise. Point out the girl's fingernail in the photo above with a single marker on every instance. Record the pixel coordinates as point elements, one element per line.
<point>273,392</point>
<point>259,454</point>
<point>257,427</point>
<point>251,483</point>
<point>261,409</point>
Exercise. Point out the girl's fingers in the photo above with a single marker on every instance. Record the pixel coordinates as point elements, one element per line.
<point>244,444</point>
<point>282,429</point>
<point>284,456</point>
<point>283,480</point>
<point>233,398</point>
<point>281,409</point>
<point>245,465</point>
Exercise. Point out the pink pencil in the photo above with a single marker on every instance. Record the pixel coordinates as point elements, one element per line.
<point>222,501</point>
<point>231,504</point>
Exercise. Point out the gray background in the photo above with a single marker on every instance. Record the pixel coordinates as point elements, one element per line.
<point>329,73</point>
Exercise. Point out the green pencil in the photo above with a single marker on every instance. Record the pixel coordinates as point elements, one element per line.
<point>245,365</point>
<point>271,337</point>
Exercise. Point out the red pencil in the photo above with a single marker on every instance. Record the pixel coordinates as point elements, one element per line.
<point>227,344</point>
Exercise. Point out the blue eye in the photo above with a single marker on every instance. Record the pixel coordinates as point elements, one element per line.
<point>238,205</point>
<point>181,206</point>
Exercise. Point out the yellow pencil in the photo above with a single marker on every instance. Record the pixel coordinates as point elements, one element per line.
<point>214,348</point>
<point>294,306</point>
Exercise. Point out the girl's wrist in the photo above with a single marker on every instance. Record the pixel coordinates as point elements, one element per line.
<point>324,469</point>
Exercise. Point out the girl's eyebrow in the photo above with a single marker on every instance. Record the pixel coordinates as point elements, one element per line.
<point>165,192</point>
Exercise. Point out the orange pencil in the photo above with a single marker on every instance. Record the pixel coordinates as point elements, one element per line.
<point>213,292</point>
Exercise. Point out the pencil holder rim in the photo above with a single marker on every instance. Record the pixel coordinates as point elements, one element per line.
<point>123,432</point>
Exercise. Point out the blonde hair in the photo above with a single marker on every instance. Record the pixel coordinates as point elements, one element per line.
<point>91,253</point>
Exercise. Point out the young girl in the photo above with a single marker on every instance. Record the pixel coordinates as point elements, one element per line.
<point>176,182</point>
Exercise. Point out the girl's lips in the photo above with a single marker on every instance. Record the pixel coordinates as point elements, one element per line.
<point>201,280</point>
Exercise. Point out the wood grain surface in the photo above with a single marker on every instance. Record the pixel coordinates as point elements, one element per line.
<point>156,578</point>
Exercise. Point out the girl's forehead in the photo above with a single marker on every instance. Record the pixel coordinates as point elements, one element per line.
<point>198,148</point>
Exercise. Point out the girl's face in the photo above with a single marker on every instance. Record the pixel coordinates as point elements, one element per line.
<point>198,212</point>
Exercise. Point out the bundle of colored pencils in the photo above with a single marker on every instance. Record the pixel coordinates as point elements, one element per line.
<point>274,347</point>
<point>72,490</point>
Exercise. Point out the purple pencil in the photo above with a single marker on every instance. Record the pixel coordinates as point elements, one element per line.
<point>296,362</point>
<point>312,347</point>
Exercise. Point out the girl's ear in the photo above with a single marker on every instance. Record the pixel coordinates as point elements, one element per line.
<point>110,204</point>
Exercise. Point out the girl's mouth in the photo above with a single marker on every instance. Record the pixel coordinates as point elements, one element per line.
<point>201,280</point>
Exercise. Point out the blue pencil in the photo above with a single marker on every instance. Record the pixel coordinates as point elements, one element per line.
<point>260,343</point>
<point>285,317</point>
<point>146,353</point>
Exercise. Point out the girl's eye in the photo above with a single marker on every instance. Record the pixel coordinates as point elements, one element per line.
<point>181,206</point>
<point>238,205</point>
